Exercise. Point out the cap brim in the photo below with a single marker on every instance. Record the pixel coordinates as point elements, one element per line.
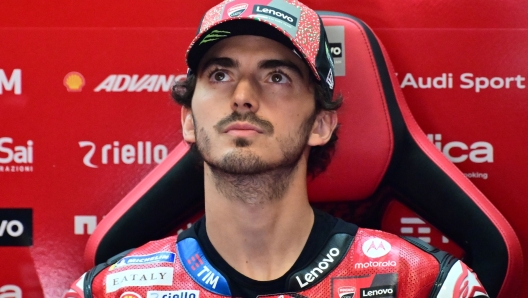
<point>235,27</point>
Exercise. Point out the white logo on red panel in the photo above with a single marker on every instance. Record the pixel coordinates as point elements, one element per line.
<point>135,83</point>
<point>15,157</point>
<point>468,80</point>
<point>376,248</point>
<point>418,228</point>
<point>10,291</point>
<point>84,224</point>
<point>12,83</point>
<point>114,153</point>
<point>457,152</point>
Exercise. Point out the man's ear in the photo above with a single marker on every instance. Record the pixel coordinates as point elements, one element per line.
<point>323,127</point>
<point>187,125</point>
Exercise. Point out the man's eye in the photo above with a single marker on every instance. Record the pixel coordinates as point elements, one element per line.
<point>219,76</point>
<point>278,78</point>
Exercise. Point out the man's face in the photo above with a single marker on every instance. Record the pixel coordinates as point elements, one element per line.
<point>253,107</point>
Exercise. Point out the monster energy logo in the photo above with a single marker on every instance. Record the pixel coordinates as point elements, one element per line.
<point>215,35</point>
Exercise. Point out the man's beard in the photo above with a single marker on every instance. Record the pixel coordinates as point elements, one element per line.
<point>243,175</point>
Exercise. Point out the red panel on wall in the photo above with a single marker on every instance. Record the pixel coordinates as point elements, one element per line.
<point>86,114</point>
<point>85,111</point>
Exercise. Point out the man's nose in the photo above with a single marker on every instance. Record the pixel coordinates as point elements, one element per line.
<point>246,96</point>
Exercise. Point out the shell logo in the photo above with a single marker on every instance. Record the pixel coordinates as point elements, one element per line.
<point>74,81</point>
<point>130,295</point>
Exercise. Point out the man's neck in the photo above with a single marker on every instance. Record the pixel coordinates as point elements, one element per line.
<point>261,237</point>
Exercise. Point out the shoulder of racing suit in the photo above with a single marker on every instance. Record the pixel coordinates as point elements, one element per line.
<point>366,263</point>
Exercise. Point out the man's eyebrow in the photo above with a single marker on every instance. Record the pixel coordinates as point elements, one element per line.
<point>220,61</point>
<point>274,63</point>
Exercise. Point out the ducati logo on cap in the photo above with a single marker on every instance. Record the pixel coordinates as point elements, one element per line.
<point>237,10</point>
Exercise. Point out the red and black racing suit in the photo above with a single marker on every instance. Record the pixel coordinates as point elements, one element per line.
<point>339,260</point>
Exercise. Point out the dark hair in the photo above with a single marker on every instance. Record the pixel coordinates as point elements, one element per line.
<point>320,156</point>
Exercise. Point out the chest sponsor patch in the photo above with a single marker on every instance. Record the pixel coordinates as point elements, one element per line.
<point>174,294</point>
<point>328,259</point>
<point>161,257</point>
<point>161,276</point>
<point>285,295</point>
<point>199,268</point>
<point>367,286</point>
<point>376,247</point>
<point>375,253</point>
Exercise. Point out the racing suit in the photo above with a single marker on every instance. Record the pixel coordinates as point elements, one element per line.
<point>339,260</point>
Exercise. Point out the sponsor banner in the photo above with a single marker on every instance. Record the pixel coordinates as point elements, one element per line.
<point>48,104</point>
<point>400,220</point>
<point>465,81</point>
<point>10,291</point>
<point>114,153</point>
<point>336,42</point>
<point>137,83</point>
<point>74,81</point>
<point>11,83</point>
<point>15,157</point>
<point>16,227</point>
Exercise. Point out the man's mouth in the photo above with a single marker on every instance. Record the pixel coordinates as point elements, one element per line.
<point>241,129</point>
<point>248,123</point>
<point>243,126</point>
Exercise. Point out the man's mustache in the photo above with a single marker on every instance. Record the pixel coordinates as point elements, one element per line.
<point>249,117</point>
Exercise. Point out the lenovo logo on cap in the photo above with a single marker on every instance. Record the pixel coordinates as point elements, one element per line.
<point>376,248</point>
<point>275,13</point>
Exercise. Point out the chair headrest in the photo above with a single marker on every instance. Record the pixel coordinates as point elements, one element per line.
<point>365,143</point>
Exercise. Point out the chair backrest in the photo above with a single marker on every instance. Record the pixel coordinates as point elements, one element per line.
<point>380,147</point>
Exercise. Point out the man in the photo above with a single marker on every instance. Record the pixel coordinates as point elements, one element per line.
<point>257,105</point>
